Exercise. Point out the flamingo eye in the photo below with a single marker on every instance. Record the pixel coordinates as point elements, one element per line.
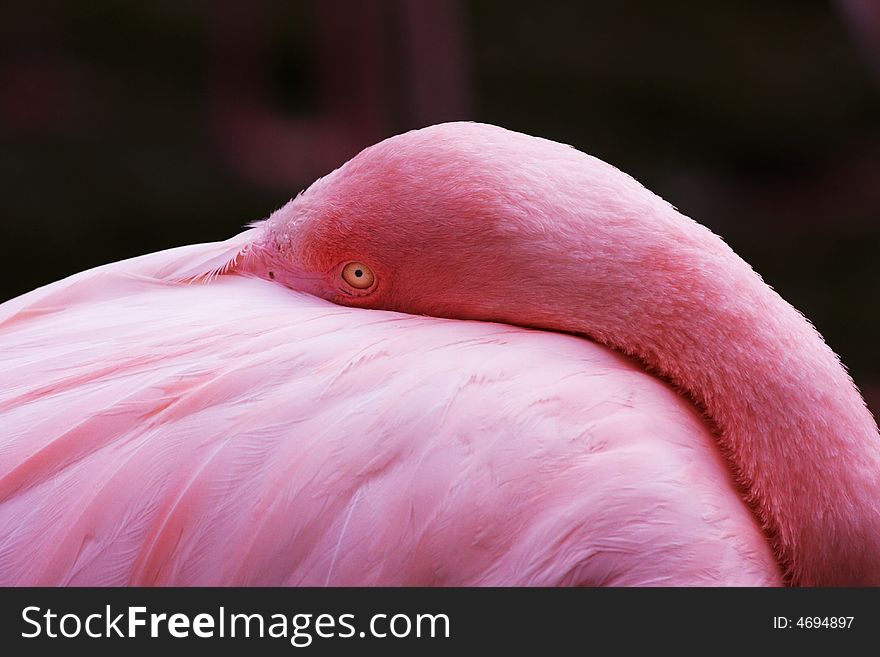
<point>358,275</point>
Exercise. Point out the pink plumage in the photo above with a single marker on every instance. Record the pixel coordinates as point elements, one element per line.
<point>634,406</point>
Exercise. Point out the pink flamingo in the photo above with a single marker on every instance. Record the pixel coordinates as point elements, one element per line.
<point>290,406</point>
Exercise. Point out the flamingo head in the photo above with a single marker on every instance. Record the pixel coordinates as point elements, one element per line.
<point>469,221</point>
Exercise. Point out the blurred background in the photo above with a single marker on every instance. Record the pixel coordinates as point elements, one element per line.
<point>127,127</point>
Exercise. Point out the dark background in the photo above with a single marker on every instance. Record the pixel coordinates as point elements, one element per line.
<point>127,127</point>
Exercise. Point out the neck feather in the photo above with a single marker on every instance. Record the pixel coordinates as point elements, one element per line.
<point>789,419</point>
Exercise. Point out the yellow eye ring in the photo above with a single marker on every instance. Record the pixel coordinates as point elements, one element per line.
<point>358,275</point>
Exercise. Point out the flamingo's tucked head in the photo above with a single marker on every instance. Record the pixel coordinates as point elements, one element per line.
<point>466,220</point>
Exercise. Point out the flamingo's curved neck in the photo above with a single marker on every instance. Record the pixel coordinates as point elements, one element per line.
<point>792,424</point>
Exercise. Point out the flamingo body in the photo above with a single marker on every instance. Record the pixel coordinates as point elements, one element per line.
<point>237,432</point>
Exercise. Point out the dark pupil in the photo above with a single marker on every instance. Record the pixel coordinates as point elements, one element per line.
<point>358,273</point>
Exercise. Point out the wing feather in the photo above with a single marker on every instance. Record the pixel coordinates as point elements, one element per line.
<point>156,431</point>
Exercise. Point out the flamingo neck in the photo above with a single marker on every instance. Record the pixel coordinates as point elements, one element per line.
<point>789,419</point>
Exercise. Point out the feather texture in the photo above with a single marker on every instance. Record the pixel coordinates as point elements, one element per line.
<point>237,432</point>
